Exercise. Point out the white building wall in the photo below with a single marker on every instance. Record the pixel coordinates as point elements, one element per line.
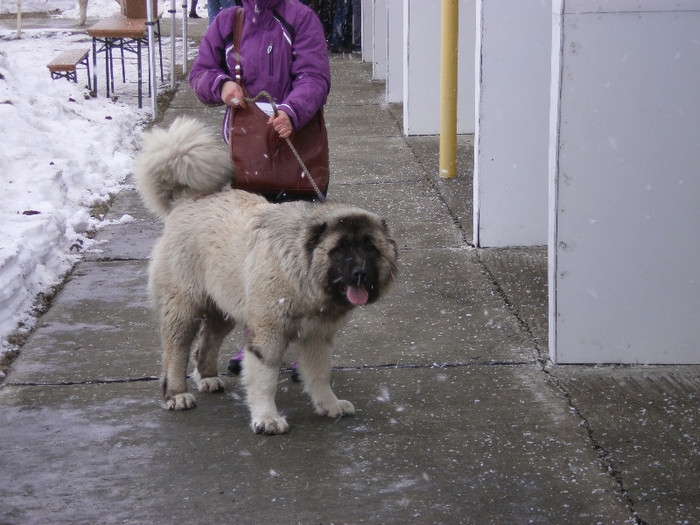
<point>421,67</point>
<point>624,176</point>
<point>367,7</point>
<point>379,56</point>
<point>394,59</point>
<point>513,60</point>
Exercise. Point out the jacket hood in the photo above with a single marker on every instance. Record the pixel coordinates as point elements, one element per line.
<point>260,11</point>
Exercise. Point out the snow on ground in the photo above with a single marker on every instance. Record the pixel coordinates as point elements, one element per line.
<point>61,153</point>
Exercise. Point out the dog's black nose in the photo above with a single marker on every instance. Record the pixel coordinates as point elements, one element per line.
<point>359,274</point>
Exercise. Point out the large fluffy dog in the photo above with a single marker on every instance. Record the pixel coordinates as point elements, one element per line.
<point>289,272</point>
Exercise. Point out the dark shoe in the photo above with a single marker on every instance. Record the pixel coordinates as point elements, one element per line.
<point>296,377</point>
<point>234,366</point>
<point>194,15</point>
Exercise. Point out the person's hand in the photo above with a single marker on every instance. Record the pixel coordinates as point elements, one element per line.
<point>232,95</point>
<point>282,124</point>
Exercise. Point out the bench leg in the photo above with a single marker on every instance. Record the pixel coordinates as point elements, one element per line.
<point>148,57</point>
<point>121,50</point>
<point>87,65</point>
<point>160,52</point>
<point>108,54</point>
<point>140,74</point>
<point>94,65</point>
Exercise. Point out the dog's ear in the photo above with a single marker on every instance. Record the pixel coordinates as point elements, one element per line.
<point>314,234</point>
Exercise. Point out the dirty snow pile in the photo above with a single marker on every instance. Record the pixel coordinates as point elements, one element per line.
<point>61,152</point>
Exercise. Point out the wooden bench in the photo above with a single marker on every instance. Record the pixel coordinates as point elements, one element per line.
<point>65,64</point>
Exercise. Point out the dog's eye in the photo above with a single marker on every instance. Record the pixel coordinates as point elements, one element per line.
<point>368,243</point>
<point>341,247</point>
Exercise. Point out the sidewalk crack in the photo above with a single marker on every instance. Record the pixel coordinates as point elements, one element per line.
<point>83,382</point>
<point>603,454</point>
<point>386,366</point>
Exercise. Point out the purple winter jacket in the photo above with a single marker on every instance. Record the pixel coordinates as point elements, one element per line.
<point>286,58</point>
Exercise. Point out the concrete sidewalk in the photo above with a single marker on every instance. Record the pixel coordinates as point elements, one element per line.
<point>460,417</point>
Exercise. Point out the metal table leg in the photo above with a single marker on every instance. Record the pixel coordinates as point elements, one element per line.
<point>94,65</point>
<point>140,74</point>
<point>107,63</point>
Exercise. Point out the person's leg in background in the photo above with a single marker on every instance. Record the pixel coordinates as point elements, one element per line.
<point>193,9</point>
<point>357,25</point>
<point>342,7</point>
<point>215,6</point>
<point>324,9</point>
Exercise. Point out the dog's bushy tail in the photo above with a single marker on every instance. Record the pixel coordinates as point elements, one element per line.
<point>184,161</point>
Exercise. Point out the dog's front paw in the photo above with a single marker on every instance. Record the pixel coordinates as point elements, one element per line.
<point>210,384</point>
<point>339,409</point>
<point>270,426</point>
<point>181,402</point>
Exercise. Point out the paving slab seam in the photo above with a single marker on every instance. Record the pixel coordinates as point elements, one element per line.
<point>115,259</point>
<point>430,366</point>
<point>288,370</point>
<point>358,105</point>
<point>541,359</point>
<point>418,249</point>
<point>603,454</point>
<point>84,382</point>
<point>458,224</point>
<point>436,188</point>
<point>453,216</point>
<point>375,183</point>
<point>543,363</point>
<point>510,305</point>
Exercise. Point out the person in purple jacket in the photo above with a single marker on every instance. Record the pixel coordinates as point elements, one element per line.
<point>283,52</point>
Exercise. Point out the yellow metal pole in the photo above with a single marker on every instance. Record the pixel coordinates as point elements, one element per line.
<point>448,88</point>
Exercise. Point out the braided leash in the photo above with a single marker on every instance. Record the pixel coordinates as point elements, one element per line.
<point>265,94</point>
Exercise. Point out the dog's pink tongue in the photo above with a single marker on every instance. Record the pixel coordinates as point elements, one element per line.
<point>357,295</point>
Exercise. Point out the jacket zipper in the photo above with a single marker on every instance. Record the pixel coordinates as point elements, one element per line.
<point>269,56</point>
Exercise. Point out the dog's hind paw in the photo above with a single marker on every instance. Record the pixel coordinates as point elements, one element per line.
<point>270,426</point>
<point>339,409</point>
<point>181,402</point>
<point>210,384</point>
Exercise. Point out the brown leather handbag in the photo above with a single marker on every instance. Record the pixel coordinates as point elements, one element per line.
<point>263,162</point>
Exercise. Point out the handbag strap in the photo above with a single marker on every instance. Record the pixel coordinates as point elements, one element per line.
<point>237,32</point>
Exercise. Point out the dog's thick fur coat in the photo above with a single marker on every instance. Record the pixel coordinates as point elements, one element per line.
<point>289,272</point>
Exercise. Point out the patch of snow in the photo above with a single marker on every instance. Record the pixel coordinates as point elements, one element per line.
<point>61,153</point>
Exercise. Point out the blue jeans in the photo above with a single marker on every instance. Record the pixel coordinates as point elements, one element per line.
<point>340,19</point>
<point>215,6</point>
